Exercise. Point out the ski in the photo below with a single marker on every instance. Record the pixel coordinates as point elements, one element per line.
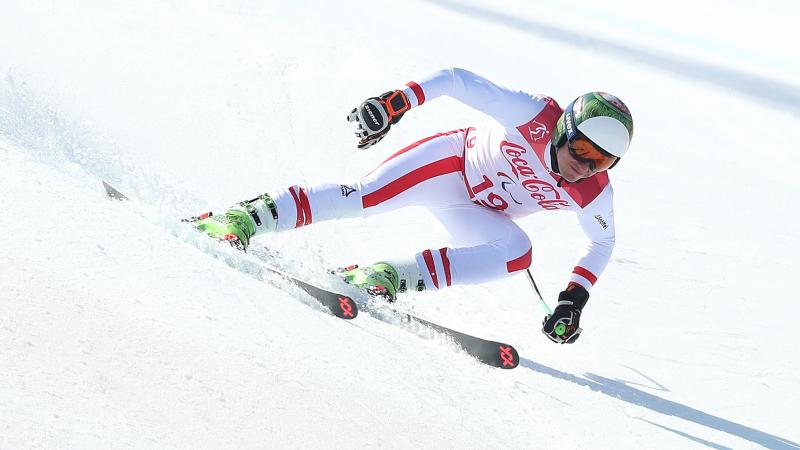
<point>493,353</point>
<point>339,305</point>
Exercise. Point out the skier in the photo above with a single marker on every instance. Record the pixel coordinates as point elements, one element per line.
<point>533,156</point>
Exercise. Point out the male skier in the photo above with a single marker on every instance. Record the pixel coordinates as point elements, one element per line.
<point>531,157</point>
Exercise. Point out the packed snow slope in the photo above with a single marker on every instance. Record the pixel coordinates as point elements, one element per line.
<point>116,332</point>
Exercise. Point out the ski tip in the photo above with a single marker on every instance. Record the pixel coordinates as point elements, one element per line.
<point>346,308</point>
<point>113,192</point>
<point>508,358</point>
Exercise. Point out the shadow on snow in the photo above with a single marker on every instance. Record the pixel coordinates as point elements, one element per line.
<point>621,391</point>
<point>770,91</point>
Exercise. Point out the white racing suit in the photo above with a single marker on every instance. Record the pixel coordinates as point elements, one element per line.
<point>475,181</point>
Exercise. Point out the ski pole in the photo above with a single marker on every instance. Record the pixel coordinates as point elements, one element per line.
<point>560,328</point>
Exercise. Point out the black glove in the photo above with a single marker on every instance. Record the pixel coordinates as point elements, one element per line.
<point>376,115</point>
<point>562,327</point>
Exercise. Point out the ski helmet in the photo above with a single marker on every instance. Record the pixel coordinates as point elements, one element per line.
<point>602,118</point>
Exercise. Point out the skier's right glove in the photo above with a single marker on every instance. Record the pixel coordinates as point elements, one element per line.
<point>376,115</point>
<point>562,327</point>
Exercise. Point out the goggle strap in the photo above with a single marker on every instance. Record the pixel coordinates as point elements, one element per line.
<point>569,123</point>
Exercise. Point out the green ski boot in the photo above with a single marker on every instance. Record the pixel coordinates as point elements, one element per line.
<point>379,279</point>
<point>236,227</point>
<point>240,222</point>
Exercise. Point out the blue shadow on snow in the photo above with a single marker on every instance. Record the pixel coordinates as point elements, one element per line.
<point>767,90</point>
<point>622,391</point>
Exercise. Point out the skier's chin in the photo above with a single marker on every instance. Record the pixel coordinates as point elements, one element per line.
<point>571,179</point>
<point>570,175</point>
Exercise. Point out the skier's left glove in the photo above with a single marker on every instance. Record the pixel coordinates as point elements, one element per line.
<point>376,115</point>
<point>562,327</point>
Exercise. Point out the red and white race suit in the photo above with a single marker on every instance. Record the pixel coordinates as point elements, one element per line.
<point>475,181</point>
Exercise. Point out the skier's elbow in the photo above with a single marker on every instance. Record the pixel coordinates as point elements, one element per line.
<point>604,245</point>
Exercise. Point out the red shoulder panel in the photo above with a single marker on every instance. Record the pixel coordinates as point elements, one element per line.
<point>538,130</point>
<point>585,191</point>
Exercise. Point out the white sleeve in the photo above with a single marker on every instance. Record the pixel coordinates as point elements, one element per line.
<point>508,107</point>
<point>597,221</point>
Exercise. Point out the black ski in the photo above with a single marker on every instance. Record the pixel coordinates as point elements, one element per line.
<point>493,353</point>
<point>339,305</point>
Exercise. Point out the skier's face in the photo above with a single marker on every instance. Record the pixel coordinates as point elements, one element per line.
<point>572,169</point>
<point>582,159</point>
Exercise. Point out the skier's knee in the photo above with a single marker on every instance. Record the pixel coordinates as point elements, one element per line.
<point>520,262</point>
<point>519,255</point>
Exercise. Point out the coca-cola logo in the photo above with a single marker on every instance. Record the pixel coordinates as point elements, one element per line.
<point>545,194</point>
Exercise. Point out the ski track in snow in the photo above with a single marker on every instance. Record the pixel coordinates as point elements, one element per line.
<point>116,332</point>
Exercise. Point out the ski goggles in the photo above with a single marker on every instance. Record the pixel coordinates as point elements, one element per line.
<point>583,149</point>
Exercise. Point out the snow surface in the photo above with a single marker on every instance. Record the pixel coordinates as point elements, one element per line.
<point>116,334</point>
